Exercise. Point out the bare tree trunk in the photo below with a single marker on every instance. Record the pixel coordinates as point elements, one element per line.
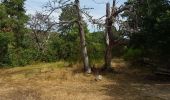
<point>87,68</point>
<point>108,57</point>
<point>109,35</point>
<point>109,39</point>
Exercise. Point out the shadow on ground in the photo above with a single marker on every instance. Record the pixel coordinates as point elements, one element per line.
<point>136,84</point>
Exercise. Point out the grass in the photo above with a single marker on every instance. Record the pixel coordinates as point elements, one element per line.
<point>65,81</point>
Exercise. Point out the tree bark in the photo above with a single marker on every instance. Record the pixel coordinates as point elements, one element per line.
<point>108,55</point>
<point>85,58</point>
<point>109,35</point>
<point>109,39</point>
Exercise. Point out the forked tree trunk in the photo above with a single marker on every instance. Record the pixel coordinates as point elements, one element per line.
<point>85,58</point>
<point>109,35</point>
<point>109,39</point>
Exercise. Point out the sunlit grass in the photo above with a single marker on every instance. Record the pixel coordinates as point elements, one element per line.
<point>66,81</point>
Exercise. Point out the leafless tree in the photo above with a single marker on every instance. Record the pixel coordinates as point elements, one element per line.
<point>111,17</point>
<point>41,26</point>
<point>111,14</point>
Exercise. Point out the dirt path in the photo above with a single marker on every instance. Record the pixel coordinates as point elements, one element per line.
<point>46,82</point>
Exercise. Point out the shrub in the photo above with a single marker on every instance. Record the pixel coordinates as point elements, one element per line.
<point>4,45</point>
<point>133,54</point>
<point>22,56</point>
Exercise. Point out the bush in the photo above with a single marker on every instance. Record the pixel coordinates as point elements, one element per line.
<point>4,44</point>
<point>64,48</point>
<point>22,56</point>
<point>95,45</point>
<point>133,54</point>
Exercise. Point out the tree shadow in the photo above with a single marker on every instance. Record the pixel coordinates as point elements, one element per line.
<point>137,84</point>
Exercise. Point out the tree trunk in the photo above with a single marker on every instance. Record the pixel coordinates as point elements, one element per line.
<point>109,35</point>
<point>109,40</point>
<point>87,68</point>
<point>108,57</point>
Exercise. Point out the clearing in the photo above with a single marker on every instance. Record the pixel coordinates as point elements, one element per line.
<point>64,81</point>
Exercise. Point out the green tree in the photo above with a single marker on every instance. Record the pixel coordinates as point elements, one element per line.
<point>4,36</point>
<point>152,18</point>
<point>78,23</point>
<point>15,19</point>
<point>68,36</point>
<point>14,41</point>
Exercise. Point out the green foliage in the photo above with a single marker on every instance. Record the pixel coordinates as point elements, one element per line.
<point>68,14</point>
<point>4,44</point>
<point>133,54</point>
<point>3,16</point>
<point>95,44</point>
<point>153,20</point>
<point>13,40</point>
<point>67,43</point>
<point>66,47</point>
<point>15,19</point>
<point>22,56</point>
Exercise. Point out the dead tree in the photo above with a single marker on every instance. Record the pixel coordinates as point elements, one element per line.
<point>108,38</point>
<point>82,38</point>
<point>111,15</point>
<point>41,26</point>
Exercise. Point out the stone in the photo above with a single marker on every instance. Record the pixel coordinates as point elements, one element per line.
<point>98,78</point>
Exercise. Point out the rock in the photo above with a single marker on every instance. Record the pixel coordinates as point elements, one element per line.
<point>88,71</point>
<point>98,78</point>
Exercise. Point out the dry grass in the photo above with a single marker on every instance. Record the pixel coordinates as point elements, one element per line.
<point>63,81</point>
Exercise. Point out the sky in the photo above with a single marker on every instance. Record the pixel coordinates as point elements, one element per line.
<point>32,6</point>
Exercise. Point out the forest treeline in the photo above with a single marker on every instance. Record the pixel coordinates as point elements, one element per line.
<point>143,38</point>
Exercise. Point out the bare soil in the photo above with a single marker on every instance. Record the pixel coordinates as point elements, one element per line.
<point>55,81</point>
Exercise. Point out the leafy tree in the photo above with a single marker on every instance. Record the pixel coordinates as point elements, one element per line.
<point>4,36</point>
<point>15,19</point>
<point>153,36</point>
<point>13,37</point>
<point>68,15</point>
<point>4,44</point>
<point>76,14</point>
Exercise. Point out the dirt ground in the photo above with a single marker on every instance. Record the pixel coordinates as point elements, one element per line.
<point>52,82</point>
